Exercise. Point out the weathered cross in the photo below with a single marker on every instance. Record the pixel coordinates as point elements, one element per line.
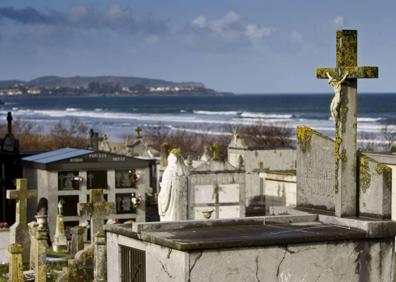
<point>138,131</point>
<point>21,195</point>
<point>97,209</point>
<point>345,74</point>
<point>9,123</point>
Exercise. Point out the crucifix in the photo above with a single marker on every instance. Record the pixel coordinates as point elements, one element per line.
<point>21,195</point>
<point>97,209</point>
<point>343,78</point>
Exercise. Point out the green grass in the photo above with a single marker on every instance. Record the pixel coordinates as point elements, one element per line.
<point>3,271</point>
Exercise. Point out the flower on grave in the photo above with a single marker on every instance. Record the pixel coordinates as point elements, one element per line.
<point>78,178</point>
<point>136,200</point>
<point>134,176</point>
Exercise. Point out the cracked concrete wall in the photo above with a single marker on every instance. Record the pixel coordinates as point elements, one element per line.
<point>359,260</point>
<point>343,261</point>
<point>164,264</point>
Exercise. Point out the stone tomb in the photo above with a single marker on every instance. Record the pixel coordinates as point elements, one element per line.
<point>273,248</point>
<point>315,173</point>
<point>216,189</point>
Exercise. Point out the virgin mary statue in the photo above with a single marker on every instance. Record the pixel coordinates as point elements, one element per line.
<point>172,198</point>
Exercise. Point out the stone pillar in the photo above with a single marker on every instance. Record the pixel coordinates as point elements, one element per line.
<point>77,240</point>
<point>33,242</point>
<point>60,241</point>
<point>100,263</point>
<point>40,254</point>
<point>15,263</point>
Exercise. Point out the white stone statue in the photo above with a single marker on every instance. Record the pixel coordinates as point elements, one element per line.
<point>60,207</point>
<point>172,199</point>
<point>335,103</point>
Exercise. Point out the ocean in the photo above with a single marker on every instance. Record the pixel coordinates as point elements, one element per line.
<point>119,115</point>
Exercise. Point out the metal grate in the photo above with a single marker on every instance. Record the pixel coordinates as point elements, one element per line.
<point>133,265</point>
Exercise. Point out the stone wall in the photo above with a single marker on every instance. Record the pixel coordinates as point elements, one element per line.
<point>272,159</point>
<point>316,170</point>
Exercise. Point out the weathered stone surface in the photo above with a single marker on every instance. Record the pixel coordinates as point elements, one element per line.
<point>80,268</point>
<point>60,242</point>
<point>40,254</point>
<point>100,263</point>
<point>345,261</point>
<point>77,239</point>
<point>19,231</point>
<point>33,243</point>
<point>345,115</point>
<point>280,189</point>
<point>15,262</point>
<point>98,209</point>
<point>375,193</point>
<point>316,170</point>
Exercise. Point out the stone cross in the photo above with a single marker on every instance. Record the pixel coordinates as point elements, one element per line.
<point>19,231</point>
<point>138,131</point>
<point>21,195</point>
<point>15,263</point>
<point>9,122</point>
<point>97,209</point>
<point>344,79</point>
<point>100,267</point>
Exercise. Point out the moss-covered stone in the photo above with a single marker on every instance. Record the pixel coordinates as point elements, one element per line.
<point>364,173</point>
<point>176,151</point>
<point>386,171</point>
<point>304,134</point>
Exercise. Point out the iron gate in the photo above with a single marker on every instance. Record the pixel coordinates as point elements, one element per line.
<point>133,265</point>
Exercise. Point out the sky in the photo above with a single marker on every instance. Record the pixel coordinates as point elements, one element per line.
<point>242,46</point>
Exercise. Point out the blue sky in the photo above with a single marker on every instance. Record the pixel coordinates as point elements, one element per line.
<point>249,46</point>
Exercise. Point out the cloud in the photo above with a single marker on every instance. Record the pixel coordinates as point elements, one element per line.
<point>254,32</point>
<point>230,28</point>
<point>26,16</point>
<point>115,18</point>
<point>339,22</point>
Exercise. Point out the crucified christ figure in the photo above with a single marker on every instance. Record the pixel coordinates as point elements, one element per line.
<point>335,103</point>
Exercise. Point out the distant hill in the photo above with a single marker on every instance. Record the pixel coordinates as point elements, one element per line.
<point>83,81</point>
<point>11,83</point>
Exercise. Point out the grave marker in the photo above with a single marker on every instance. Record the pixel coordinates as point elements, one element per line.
<point>97,209</point>
<point>19,231</point>
<point>344,108</point>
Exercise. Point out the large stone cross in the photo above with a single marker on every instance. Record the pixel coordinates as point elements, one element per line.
<point>344,80</point>
<point>21,195</point>
<point>97,209</point>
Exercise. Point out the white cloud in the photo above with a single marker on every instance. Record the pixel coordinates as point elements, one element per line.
<point>231,27</point>
<point>339,21</point>
<point>254,32</point>
<point>200,22</point>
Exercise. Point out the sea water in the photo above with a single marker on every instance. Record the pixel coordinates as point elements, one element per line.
<point>217,115</point>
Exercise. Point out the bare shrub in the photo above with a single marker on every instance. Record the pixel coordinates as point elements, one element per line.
<point>265,136</point>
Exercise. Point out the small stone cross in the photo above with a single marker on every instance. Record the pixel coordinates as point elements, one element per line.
<point>138,131</point>
<point>344,79</point>
<point>97,209</point>
<point>21,195</point>
<point>9,122</point>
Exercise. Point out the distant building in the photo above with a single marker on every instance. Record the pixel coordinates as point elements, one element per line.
<point>68,174</point>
